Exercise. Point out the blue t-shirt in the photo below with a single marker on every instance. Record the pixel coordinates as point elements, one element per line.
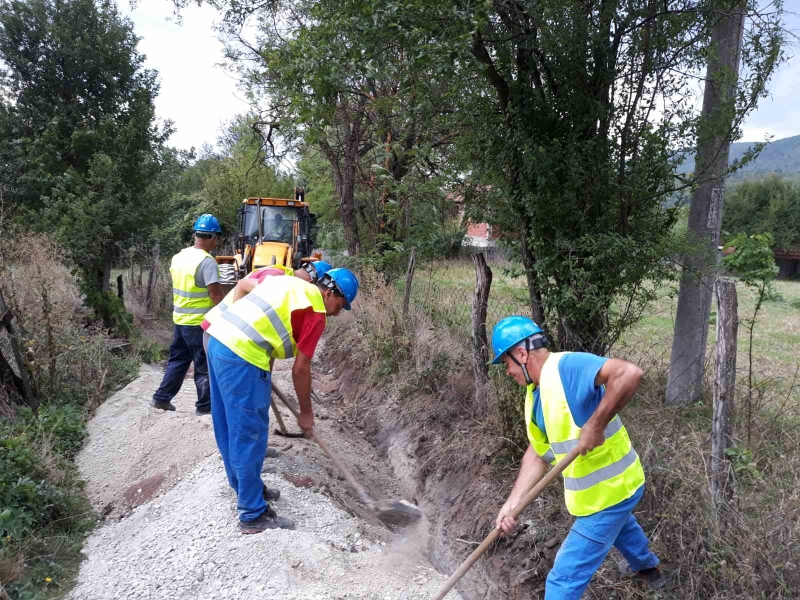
<point>578,371</point>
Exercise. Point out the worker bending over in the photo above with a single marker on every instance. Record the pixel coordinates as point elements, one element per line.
<point>310,272</point>
<point>195,290</point>
<point>573,400</point>
<point>282,317</point>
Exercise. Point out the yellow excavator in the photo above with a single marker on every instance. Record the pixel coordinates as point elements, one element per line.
<point>270,231</point>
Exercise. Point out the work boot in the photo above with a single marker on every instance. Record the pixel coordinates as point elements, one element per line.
<point>271,495</point>
<point>202,411</point>
<point>162,405</point>
<point>272,452</point>
<point>652,576</point>
<point>268,520</point>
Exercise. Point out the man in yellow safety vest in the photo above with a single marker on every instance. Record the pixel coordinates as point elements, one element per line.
<point>281,317</point>
<point>195,291</point>
<point>573,400</point>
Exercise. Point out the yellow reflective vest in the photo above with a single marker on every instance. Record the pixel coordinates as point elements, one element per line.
<point>601,478</point>
<point>220,308</point>
<point>259,326</point>
<point>189,302</point>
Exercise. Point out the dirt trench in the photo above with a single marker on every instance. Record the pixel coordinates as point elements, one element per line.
<point>169,528</point>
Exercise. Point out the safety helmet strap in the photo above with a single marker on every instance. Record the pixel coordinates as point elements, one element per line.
<point>530,343</point>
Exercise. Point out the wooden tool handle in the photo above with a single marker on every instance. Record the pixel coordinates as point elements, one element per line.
<point>492,537</point>
<point>362,492</point>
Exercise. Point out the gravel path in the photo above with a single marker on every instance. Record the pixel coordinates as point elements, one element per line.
<point>183,542</point>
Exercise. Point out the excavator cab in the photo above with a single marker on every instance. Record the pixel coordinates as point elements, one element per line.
<point>270,232</point>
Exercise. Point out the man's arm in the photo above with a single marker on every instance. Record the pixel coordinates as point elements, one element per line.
<point>215,292</point>
<point>531,471</point>
<point>301,376</point>
<point>621,379</point>
<point>244,287</point>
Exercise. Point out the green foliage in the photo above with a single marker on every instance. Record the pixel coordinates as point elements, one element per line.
<point>44,513</point>
<point>752,260</point>
<point>567,156</point>
<point>217,183</point>
<point>85,157</point>
<point>770,205</point>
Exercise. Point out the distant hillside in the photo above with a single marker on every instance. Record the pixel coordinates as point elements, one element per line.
<point>780,156</point>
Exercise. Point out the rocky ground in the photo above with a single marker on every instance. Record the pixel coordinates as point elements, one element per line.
<point>170,519</point>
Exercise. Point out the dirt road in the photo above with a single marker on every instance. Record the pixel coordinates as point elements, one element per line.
<point>170,529</point>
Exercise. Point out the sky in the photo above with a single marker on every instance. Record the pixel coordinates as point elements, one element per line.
<point>199,96</point>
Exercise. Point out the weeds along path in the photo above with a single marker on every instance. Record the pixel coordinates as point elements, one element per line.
<point>170,529</point>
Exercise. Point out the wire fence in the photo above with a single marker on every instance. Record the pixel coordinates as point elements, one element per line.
<point>444,290</point>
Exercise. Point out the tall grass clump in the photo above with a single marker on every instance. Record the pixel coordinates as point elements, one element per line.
<point>73,365</point>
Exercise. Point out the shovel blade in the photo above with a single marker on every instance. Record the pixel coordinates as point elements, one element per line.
<point>396,513</point>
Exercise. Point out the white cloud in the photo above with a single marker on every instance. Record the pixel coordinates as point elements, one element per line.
<point>778,115</point>
<point>196,93</point>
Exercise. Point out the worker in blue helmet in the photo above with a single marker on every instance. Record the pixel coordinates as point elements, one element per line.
<point>572,401</point>
<point>195,291</point>
<point>277,318</point>
<point>315,269</point>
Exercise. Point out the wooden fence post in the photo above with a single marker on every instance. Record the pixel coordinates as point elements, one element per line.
<point>480,301</point>
<point>721,477</point>
<point>152,278</point>
<point>5,321</point>
<point>412,264</point>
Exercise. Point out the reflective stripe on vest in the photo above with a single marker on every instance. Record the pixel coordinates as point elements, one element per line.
<point>189,302</point>
<point>259,327</point>
<point>220,308</point>
<point>601,478</point>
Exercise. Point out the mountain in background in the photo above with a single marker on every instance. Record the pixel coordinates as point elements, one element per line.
<point>780,156</point>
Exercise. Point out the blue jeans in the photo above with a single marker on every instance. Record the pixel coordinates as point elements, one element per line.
<point>186,347</point>
<point>588,543</point>
<point>240,398</point>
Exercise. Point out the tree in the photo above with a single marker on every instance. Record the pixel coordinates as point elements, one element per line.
<point>770,205</point>
<point>754,262</point>
<point>577,114</point>
<point>687,360</point>
<point>83,148</point>
<point>358,83</point>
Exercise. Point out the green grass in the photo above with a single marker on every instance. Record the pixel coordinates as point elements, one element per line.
<point>776,337</point>
<point>444,291</point>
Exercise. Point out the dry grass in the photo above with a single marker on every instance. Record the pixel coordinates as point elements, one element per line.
<point>416,378</point>
<point>73,366</point>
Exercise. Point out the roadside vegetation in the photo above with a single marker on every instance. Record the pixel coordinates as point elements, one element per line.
<point>73,365</point>
<point>414,375</point>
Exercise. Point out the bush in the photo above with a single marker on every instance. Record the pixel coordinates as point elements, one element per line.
<point>74,365</point>
<point>45,513</point>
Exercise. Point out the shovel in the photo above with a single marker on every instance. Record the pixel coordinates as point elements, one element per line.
<point>392,513</point>
<point>532,494</point>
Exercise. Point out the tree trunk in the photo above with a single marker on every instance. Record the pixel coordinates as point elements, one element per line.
<point>480,341</point>
<point>721,476</point>
<point>7,376</point>
<point>344,158</point>
<point>687,361</point>
<point>528,261</point>
<point>412,263</point>
<point>108,258</point>
<point>345,181</point>
<point>152,278</point>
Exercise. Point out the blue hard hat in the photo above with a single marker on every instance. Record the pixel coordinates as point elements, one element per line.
<point>321,267</point>
<point>207,223</point>
<point>509,332</point>
<point>346,283</point>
